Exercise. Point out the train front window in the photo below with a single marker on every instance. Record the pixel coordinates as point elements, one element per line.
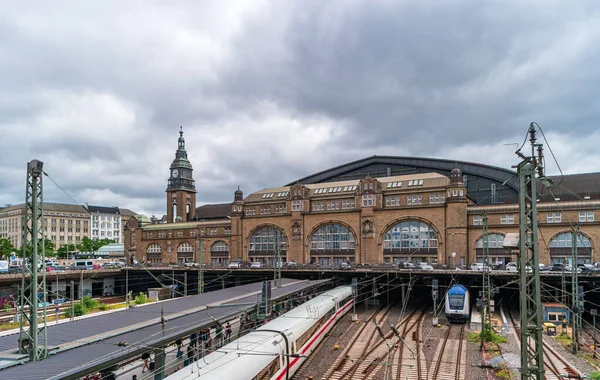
<point>456,302</point>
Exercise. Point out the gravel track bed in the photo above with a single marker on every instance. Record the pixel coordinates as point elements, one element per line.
<point>324,356</point>
<point>434,335</point>
<point>579,363</point>
<point>394,317</point>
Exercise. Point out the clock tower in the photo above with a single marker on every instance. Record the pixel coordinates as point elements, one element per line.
<point>181,189</point>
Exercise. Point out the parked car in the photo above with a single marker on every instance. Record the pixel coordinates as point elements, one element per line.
<point>256,264</point>
<point>424,266</point>
<point>480,267</point>
<point>191,264</point>
<point>544,267</point>
<point>280,264</point>
<point>14,269</point>
<point>365,266</point>
<point>512,267</point>
<point>404,265</point>
<point>558,267</point>
<point>588,268</point>
<point>292,264</point>
<point>569,268</point>
<point>234,265</point>
<point>345,265</point>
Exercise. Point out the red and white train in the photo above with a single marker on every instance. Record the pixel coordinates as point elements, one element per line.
<point>277,349</point>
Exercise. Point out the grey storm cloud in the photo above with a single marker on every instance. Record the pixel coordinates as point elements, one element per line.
<point>269,92</point>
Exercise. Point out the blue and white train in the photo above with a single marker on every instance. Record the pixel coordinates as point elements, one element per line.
<point>277,349</point>
<point>458,304</point>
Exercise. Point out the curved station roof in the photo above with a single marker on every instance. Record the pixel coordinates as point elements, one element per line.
<point>485,184</point>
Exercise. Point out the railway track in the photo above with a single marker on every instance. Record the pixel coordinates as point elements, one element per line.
<point>410,363</point>
<point>381,355</point>
<point>555,366</point>
<point>448,359</point>
<point>352,362</point>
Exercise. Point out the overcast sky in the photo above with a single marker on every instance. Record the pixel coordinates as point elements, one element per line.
<point>269,92</point>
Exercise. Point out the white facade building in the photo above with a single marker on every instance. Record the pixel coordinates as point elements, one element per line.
<point>105,223</point>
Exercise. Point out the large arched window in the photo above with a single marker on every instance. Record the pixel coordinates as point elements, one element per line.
<point>154,254</point>
<point>264,242</point>
<point>332,244</point>
<point>411,235</point>
<point>185,253</point>
<point>494,241</point>
<point>332,238</point>
<point>561,245</point>
<point>498,254</point>
<point>410,240</point>
<point>219,247</point>
<point>219,254</point>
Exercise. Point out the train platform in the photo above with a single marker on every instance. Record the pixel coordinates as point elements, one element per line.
<point>84,346</point>
<point>475,322</point>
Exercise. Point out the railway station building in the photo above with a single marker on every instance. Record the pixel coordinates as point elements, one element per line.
<point>378,210</point>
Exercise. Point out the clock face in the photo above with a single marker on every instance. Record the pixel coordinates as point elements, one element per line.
<point>175,172</point>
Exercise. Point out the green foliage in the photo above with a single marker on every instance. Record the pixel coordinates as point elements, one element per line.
<point>66,250</point>
<point>102,307</point>
<point>141,299</point>
<point>86,245</point>
<point>89,303</point>
<point>473,337</point>
<point>89,245</point>
<point>48,249</point>
<point>78,309</point>
<point>488,336</point>
<point>595,375</point>
<point>6,247</point>
<point>503,374</point>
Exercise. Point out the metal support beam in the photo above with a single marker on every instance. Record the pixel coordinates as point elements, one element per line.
<point>159,363</point>
<point>575,310</point>
<point>201,266</point>
<point>278,263</point>
<point>486,296</point>
<point>32,326</point>
<point>532,356</point>
<point>185,284</point>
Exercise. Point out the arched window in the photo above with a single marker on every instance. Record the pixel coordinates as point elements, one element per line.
<point>411,235</point>
<point>185,247</point>
<point>332,238</point>
<point>494,241</point>
<point>332,244</point>
<point>263,243</point>
<point>410,240</point>
<point>219,254</point>
<point>219,246</point>
<point>154,254</point>
<point>561,244</point>
<point>185,253</point>
<point>498,254</point>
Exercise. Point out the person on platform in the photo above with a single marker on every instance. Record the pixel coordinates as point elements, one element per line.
<point>228,332</point>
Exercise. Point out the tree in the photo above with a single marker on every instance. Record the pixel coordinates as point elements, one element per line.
<point>101,243</point>
<point>86,245</point>
<point>49,248</point>
<point>6,247</point>
<point>66,250</point>
<point>89,245</point>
